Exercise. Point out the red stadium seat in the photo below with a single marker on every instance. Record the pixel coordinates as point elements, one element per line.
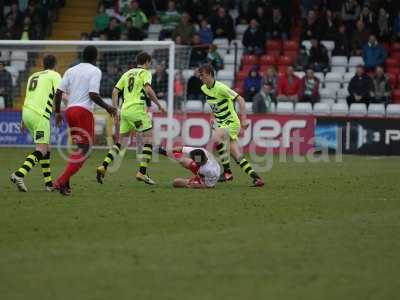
<point>392,79</point>
<point>273,45</point>
<point>395,47</point>
<point>284,61</point>
<point>291,46</point>
<point>241,75</point>
<point>247,68</point>
<point>396,96</point>
<point>395,55</point>
<point>395,71</point>
<point>282,70</point>
<point>291,54</point>
<point>249,60</point>
<point>391,63</point>
<point>275,53</point>
<point>268,60</point>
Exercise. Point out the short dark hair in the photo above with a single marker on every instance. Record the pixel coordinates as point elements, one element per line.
<point>198,156</point>
<point>208,69</point>
<point>90,54</point>
<point>142,58</point>
<point>49,62</point>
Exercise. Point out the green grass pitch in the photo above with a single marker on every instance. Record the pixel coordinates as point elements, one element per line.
<point>316,231</point>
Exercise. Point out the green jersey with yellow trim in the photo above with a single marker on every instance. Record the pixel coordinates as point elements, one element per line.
<point>132,85</point>
<point>40,92</point>
<point>221,99</point>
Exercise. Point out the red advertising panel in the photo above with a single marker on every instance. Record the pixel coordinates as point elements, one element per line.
<point>266,133</point>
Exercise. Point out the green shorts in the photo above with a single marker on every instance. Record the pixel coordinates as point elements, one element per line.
<point>134,119</point>
<point>38,126</point>
<point>233,128</point>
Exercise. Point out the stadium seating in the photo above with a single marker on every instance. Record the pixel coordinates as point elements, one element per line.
<point>225,75</point>
<point>327,94</point>
<point>207,108</point>
<point>303,108</point>
<point>340,109</point>
<point>396,96</point>
<point>376,110</point>
<point>284,108</point>
<point>393,110</point>
<point>249,107</point>
<point>347,77</point>
<point>193,106</point>
<point>321,109</point>
<point>358,109</point>
<point>2,103</point>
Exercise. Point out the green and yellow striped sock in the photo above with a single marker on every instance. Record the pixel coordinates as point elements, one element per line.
<point>30,161</point>
<point>145,158</point>
<point>45,164</point>
<point>247,168</point>
<point>111,155</point>
<point>224,157</point>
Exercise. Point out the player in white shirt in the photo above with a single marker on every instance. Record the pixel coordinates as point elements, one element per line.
<point>200,162</point>
<point>82,84</point>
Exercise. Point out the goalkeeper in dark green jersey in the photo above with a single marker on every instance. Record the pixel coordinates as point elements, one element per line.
<point>36,113</point>
<point>228,124</point>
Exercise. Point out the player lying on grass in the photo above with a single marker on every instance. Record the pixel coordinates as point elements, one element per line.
<point>200,162</point>
<point>136,87</point>
<point>228,125</point>
<point>36,113</point>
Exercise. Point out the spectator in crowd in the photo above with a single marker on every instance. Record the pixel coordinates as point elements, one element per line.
<point>319,57</point>
<point>10,31</point>
<point>109,80</point>
<point>197,10</point>
<point>373,54</point>
<point>262,101</point>
<point>253,39</point>
<point>271,78</point>
<point>169,20</point>
<point>329,26</point>
<point>311,27</point>
<point>159,82</point>
<point>278,27</point>
<point>28,32</point>
<point>214,58</point>
<point>198,54</point>
<point>360,87</point>
<point>368,18</point>
<point>342,43</point>
<point>309,90</point>
<point>179,90</point>
<point>383,24</point>
<point>84,36</point>
<point>5,85</point>
<point>252,84</point>
<point>289,86</point>
<point>396,27</point>
<point>302,59</point>
<point>14,14</point>
<point>350,12</point>
<point>132,33</point>
<point>262,18</point>
<point>138,18</point>
<point>185,29</point>
<point>194,86</point>
<point>205,32</point>
<point>381,87</point>
<point>113,32</point>
<point>222,25</point>
<point>359,38</point>
<point>101,20</point>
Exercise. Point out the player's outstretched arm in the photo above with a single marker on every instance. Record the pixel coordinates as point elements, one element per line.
<point>242,112</point>
<point>57,102</point>
<point>114,97</point>
<point>153,97</point>
<point>100,102</point>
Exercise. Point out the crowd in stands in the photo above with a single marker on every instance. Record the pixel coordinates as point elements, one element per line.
<point>354,27</point>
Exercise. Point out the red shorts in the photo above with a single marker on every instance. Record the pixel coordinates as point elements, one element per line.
<point>81,125</point>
